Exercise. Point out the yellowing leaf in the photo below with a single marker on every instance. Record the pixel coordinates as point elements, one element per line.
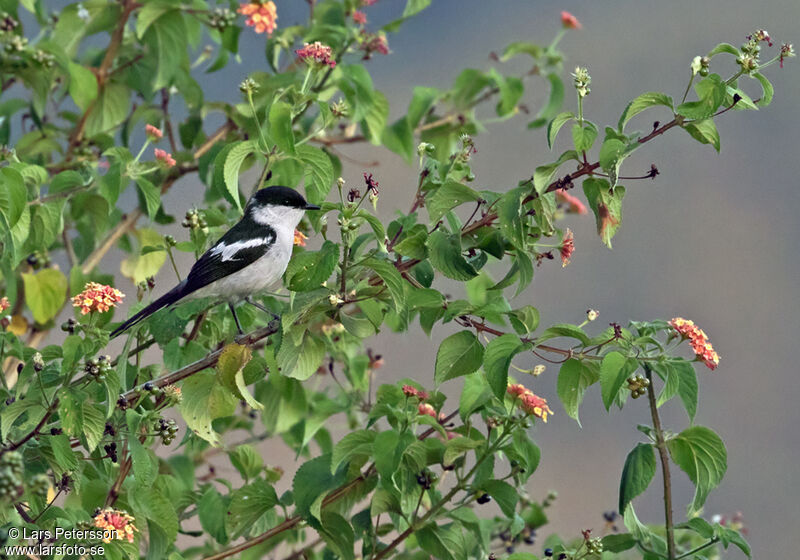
<point>140,267</point>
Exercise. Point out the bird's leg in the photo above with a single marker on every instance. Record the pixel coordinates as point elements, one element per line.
<point>236,318</point>
<point>261,307</point>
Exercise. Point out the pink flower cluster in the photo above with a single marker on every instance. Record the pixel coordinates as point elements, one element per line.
<point>153,133</point>
<point>317,52</point>
<point>164,157</point>
<point>698,340</point>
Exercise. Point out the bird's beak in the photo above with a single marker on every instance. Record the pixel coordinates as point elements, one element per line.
<point>311,206</point>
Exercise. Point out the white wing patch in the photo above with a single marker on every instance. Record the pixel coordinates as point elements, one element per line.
<point>229,252</point>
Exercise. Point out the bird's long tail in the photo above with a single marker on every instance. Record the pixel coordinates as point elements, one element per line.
<point>169,298</point>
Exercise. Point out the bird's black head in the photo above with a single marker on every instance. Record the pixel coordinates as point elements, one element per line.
<point>281,196</point>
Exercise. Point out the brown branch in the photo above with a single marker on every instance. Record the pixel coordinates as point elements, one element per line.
<point>102,73</point>
<point>34,432</point>
<point>167,122</point>
<point>661,445</point>
<point>209,361</point>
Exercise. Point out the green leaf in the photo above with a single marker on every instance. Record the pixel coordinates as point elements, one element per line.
<point>94,423</point>
<point>205,400</point>
<point>766,88</point>
<point>82,85</point>
<point>554,101</point>
<point>338,535</point>
<point>247,461</point>
<point>704,131</point>
<point>109,109</point>
<point>391,277</point>
<point>565,330</point>
<point>618,543</point>
<point>414,244</point>
<point>233,162</point>
<point>374,121</point>
<point>511,90</point>
<point>723,48</point>
<point>458,446</point>
<point>459,354</point>
<point>151,196</point>
<point>13,195</point>
<point>318,174</point>
<point>644,101</point>
<point>399,138</point>
<point>414,7</point>
<point>512,216</point>
<point>311,484</point>
<point>422,100</point>
<point>524,320</point>
<point>573,380</point>
<point>280,126</point>
<point>711,92</point>
<point>606,204</point>
<point>144,463</point>
<point>583,137</point>
<point>700,453</point>
<point>638,472</point>
<point>612,376</point>
<point>671,385</point>
<point>504,494</point>
<point>309,269</point>
<point>445,256</point>
<point>300,362</point>
<point>248,504</point>
<point>354,444</point>
<point>45,293</point>
<point>447,197</point>
<point>497,359</point>
<point>555,125</point>
<point>728,536</point>
<point>688,388</point>
<point>211,510</point>
<point>166,38</point>
<point>475,394</point>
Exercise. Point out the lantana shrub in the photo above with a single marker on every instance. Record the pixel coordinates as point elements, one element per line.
<point>94,441</point>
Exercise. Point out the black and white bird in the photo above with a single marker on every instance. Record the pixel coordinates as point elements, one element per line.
<point>249,259</point>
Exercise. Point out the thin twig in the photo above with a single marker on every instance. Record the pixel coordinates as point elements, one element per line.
<point>209,361</point>
<point>661,445</point>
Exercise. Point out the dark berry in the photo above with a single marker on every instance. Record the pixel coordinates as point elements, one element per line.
<point>484,498</point>
<point>149,386</point>
<point>548,552</point>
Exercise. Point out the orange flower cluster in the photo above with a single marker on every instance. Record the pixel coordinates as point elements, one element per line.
<point>529,402</point>
<point>97,297</point>
<point>574,204</point>
<point>4,304</point>
<point>263,16</point>
<point>299,238</point>
<point>110,519</point>
<point>410,391</point>
<point>567,247</point>
<point>698,340</point>
<point>153,133</point>
<point>317,52</point>
<point>164,157</point>
<point>569,21</point>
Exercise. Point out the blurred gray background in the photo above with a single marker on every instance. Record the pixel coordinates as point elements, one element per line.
<point>713,238</point>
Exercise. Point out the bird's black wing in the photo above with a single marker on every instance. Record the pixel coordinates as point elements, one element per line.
<point>241,246</point>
